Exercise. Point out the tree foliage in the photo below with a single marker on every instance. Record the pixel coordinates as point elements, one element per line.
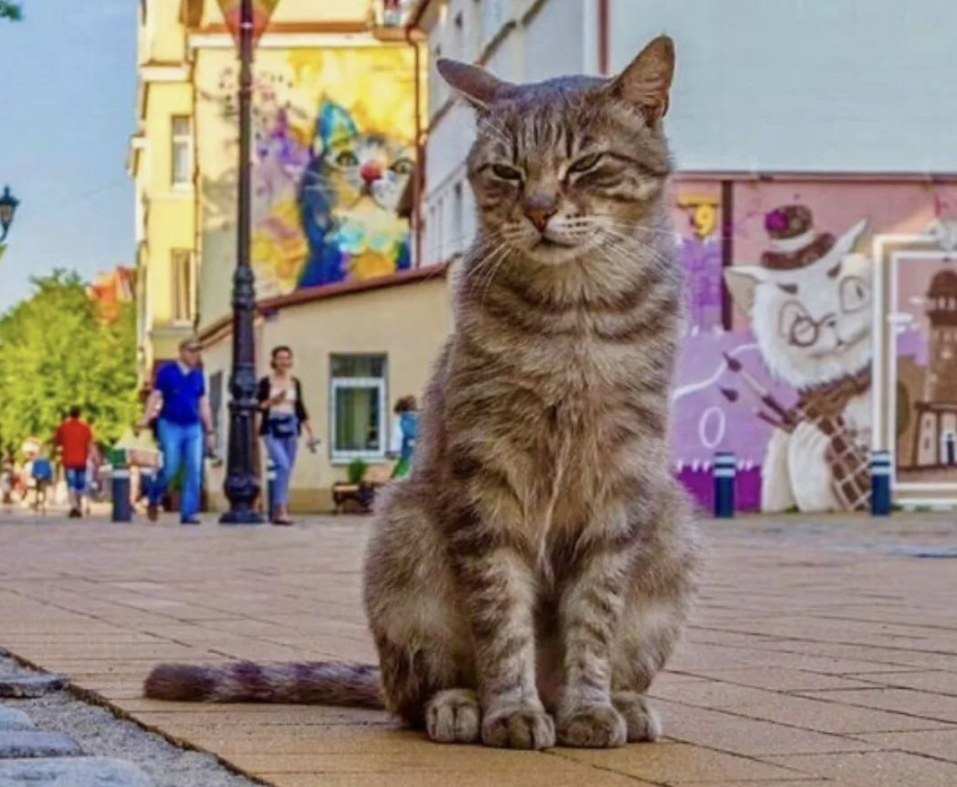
<point>56,352</point>
<point>10,10</point>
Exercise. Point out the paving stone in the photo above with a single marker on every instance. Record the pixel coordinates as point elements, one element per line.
<point>13,719</point>
<point>31,686</point>
<point>16,744</point>
<point>79,772</point>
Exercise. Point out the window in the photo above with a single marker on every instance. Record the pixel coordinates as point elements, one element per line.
<point>184,286</point>
<point>358,407</point>
<point>182,153</point>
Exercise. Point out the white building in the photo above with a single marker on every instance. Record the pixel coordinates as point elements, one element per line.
<point>788,86</point>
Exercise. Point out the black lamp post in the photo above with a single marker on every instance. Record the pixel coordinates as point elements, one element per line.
<point>242,485</point>
<point>8,209</point>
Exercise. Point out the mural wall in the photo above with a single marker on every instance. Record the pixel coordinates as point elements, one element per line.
<point>334,150</point>
<point>781,375</point>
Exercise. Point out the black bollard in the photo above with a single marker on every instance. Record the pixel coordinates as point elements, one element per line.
<point>881,483</point>
<point>271,490</point>
<point>725,469</point>
<point>120,481</point>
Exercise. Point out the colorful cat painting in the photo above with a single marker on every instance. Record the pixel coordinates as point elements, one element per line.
<point>348,198</point>
<point>810,307</point>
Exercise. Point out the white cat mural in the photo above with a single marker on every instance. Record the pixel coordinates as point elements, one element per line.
<point>809,302</point>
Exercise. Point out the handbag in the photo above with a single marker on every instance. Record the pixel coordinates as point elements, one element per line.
<point>283,427</point>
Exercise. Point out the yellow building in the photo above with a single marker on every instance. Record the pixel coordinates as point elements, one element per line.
<point>337,114</point>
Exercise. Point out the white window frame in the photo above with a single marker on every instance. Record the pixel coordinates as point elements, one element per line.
<point>378,384</point>
<point>176,140</point>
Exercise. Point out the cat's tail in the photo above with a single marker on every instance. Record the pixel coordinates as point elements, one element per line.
<point>314,683</point>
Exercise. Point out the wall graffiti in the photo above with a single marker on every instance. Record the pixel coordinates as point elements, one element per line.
<point>788,388</point>
<point>334,152</point>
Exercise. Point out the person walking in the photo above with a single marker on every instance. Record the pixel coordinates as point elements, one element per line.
<point>183,429</point>
<point>404,433</point>
<point>74,438</point>
<point>283,420</point>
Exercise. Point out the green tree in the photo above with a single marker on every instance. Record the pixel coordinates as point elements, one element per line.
<point>10,10</point>
<point>56,352</point>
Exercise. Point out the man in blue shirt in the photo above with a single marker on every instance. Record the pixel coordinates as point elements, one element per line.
<point>179,398</point>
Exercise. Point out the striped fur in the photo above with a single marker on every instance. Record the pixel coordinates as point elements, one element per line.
<point>528,580</point>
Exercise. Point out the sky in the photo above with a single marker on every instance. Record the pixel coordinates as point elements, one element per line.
<point>67,110</point>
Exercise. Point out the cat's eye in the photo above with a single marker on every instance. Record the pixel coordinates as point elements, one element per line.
<point>402,167</point>
<point>585,163</point>
<point>855,294</point>
<point>505,172</point>
<point>347,159</point>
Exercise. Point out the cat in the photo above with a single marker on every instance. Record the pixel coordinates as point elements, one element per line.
<point>353,180</point>
<point>528,579</point>
<point>813,329</point>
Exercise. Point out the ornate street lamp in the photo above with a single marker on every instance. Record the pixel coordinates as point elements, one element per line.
<point>8,209</point>
<point>247,21</point>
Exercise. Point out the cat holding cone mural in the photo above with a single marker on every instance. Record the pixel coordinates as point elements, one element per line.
<point>809,302</point>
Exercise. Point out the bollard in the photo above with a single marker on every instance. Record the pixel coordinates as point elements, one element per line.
<point>725,469</point>
<point>271,490</point>
<point>120,482</point>
<point>881,483</point>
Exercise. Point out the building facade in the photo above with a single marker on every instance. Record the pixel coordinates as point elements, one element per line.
<point>338,88</point>
<point>815,206</point>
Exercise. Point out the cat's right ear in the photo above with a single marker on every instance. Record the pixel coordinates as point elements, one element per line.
<point>476,85</point>
<point>742,282</point>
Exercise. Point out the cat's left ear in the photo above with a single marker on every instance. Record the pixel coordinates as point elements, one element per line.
<point>646,81</point>
<point>476,85</point>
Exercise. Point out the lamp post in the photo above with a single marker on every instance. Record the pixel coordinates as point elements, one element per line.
<point>8,209</point>
<point>247,20</point>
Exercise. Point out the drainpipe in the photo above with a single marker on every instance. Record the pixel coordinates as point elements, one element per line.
<point>604,25</point>
<point>417,169</point>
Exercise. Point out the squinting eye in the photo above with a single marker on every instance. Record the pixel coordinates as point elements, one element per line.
<point>506,173</point>
<point>402,167</point>
<point>585,163</point>
<point>347,159</point>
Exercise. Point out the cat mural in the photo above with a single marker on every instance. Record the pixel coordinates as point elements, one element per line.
<point>809,302</point>
<point>348,201</point>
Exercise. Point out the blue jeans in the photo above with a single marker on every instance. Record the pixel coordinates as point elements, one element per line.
<point>282,451</point>
<point>181,445</point>
<point>76,479</point>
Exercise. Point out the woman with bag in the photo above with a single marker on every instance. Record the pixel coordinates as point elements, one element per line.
<point>283,419</point>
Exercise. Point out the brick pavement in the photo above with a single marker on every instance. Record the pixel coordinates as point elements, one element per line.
<point>820,654</point>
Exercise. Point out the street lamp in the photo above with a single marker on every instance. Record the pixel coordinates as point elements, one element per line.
<point>8,209</point>
<point>247,21</point>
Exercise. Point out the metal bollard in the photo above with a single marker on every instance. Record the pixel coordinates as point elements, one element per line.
<point>725,469</point>
<point>120,482</point>
<point>881,483</point>
<point>271,490</point>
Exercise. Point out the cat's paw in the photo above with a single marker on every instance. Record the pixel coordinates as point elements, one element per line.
<point>453,716</point>
<point>518,728</point>
<point>640,718</point>
<point>596,727</point>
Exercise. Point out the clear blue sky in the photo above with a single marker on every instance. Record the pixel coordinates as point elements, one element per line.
<point>67,109</point>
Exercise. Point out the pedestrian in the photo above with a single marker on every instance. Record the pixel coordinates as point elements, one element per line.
<point>8,477</point>
<point>404,432</point>
<point>74,438</point>
<point>283,420</point>
<point>183,428</point>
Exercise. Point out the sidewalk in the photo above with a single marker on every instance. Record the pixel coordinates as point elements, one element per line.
<point>824,652</point>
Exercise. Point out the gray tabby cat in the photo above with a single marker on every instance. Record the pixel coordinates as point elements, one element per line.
<point>528,580</point>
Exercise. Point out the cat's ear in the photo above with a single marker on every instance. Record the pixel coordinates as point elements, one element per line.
<point>333,124</point>
<point>646,81</point>
<point>846,243</point>
<point>742,282</point>
<point>476,85</point>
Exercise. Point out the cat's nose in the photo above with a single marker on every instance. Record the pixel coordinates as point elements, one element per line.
<point>539,214</point>
<point>370,172</point>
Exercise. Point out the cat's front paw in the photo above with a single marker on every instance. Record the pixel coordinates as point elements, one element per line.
<point>453,717</point>
<point>596,727</point>
<point>642,721</point>
<point>518,728</point>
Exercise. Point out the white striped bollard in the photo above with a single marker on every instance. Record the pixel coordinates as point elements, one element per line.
<point>725,469</point>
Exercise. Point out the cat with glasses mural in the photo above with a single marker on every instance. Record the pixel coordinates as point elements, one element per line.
<point>809,301</point>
